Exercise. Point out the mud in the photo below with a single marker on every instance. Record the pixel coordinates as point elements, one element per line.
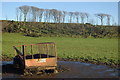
<point>66,69</point>
<point>97,62</point>
<point>94,61</point>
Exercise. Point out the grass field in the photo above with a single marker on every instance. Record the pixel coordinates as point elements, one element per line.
<point>106,50</point>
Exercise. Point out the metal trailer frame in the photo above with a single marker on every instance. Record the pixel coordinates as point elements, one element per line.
<point>36,61</point>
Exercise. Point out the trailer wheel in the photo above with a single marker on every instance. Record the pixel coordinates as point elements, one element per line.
<point>15,63</point>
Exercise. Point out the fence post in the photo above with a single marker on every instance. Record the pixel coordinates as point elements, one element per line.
<point>55,50</point>
<point>39,50</point>
<point>32,51</point>
<point>23,56</point>
<point>23,51</point>
<point>47,51</point>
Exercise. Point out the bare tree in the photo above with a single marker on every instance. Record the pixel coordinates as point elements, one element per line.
<point>108,19</point>
<point>20,17</point>
<point>101,16</point>
<point>113,21</point>
<point>92,21</point>
<point>60,17</point>
<point>24,10</point>
<point>77,16</point>
<point>47,15</point>
<point>54,14</point>
<point>51,15</point>
<point>17,13</point>
<point>64,13</point>
<point>82,16</point>
<point>70,16</point>
<point>40,14</point>
<point>34,11</point>
<point>87,16</point>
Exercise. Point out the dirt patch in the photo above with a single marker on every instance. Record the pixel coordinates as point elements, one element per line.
<point>97,62</point>
<point>66,69</point>
<point>8,68</point>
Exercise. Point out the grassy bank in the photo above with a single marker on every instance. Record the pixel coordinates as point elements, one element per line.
<point>44,29</point>
<point>104,50</point>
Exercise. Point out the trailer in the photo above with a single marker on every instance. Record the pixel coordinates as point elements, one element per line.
<point>38,57</point>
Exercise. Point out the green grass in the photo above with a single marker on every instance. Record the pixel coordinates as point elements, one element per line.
<point>102,49</point>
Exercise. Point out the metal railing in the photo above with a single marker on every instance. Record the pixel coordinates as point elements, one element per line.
<point>48,49</point>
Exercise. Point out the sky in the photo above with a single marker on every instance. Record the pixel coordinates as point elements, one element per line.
<point>8,8</point>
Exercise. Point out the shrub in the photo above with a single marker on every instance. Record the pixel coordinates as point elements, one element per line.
<point>61,29</point>
<point>32,34</point>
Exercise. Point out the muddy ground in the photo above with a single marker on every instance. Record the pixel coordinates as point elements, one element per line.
<point>6,58</point>
<point>97,62</point>
<point>66,69</point>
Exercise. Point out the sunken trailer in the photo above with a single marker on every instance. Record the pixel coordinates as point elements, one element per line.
<point>38,57</point>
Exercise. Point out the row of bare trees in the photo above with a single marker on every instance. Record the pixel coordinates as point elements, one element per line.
<point>102,16</point>
<point>34,14</point>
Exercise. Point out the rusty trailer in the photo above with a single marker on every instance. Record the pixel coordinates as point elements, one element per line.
<point>40,56</point>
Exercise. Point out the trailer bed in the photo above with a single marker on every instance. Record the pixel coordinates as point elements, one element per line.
<point>44,59</point>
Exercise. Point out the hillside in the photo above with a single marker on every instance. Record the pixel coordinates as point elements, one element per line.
<point>36,29</point>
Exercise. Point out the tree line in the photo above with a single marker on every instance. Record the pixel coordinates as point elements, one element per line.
<point>35,14</point>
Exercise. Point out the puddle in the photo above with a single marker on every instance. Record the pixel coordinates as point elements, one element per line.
<point>75,70</point>
<point>6,62</point>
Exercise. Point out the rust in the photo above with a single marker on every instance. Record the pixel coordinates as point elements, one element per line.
<point>42,56</point>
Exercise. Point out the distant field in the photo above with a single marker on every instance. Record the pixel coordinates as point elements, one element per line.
<point>106,50</point>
